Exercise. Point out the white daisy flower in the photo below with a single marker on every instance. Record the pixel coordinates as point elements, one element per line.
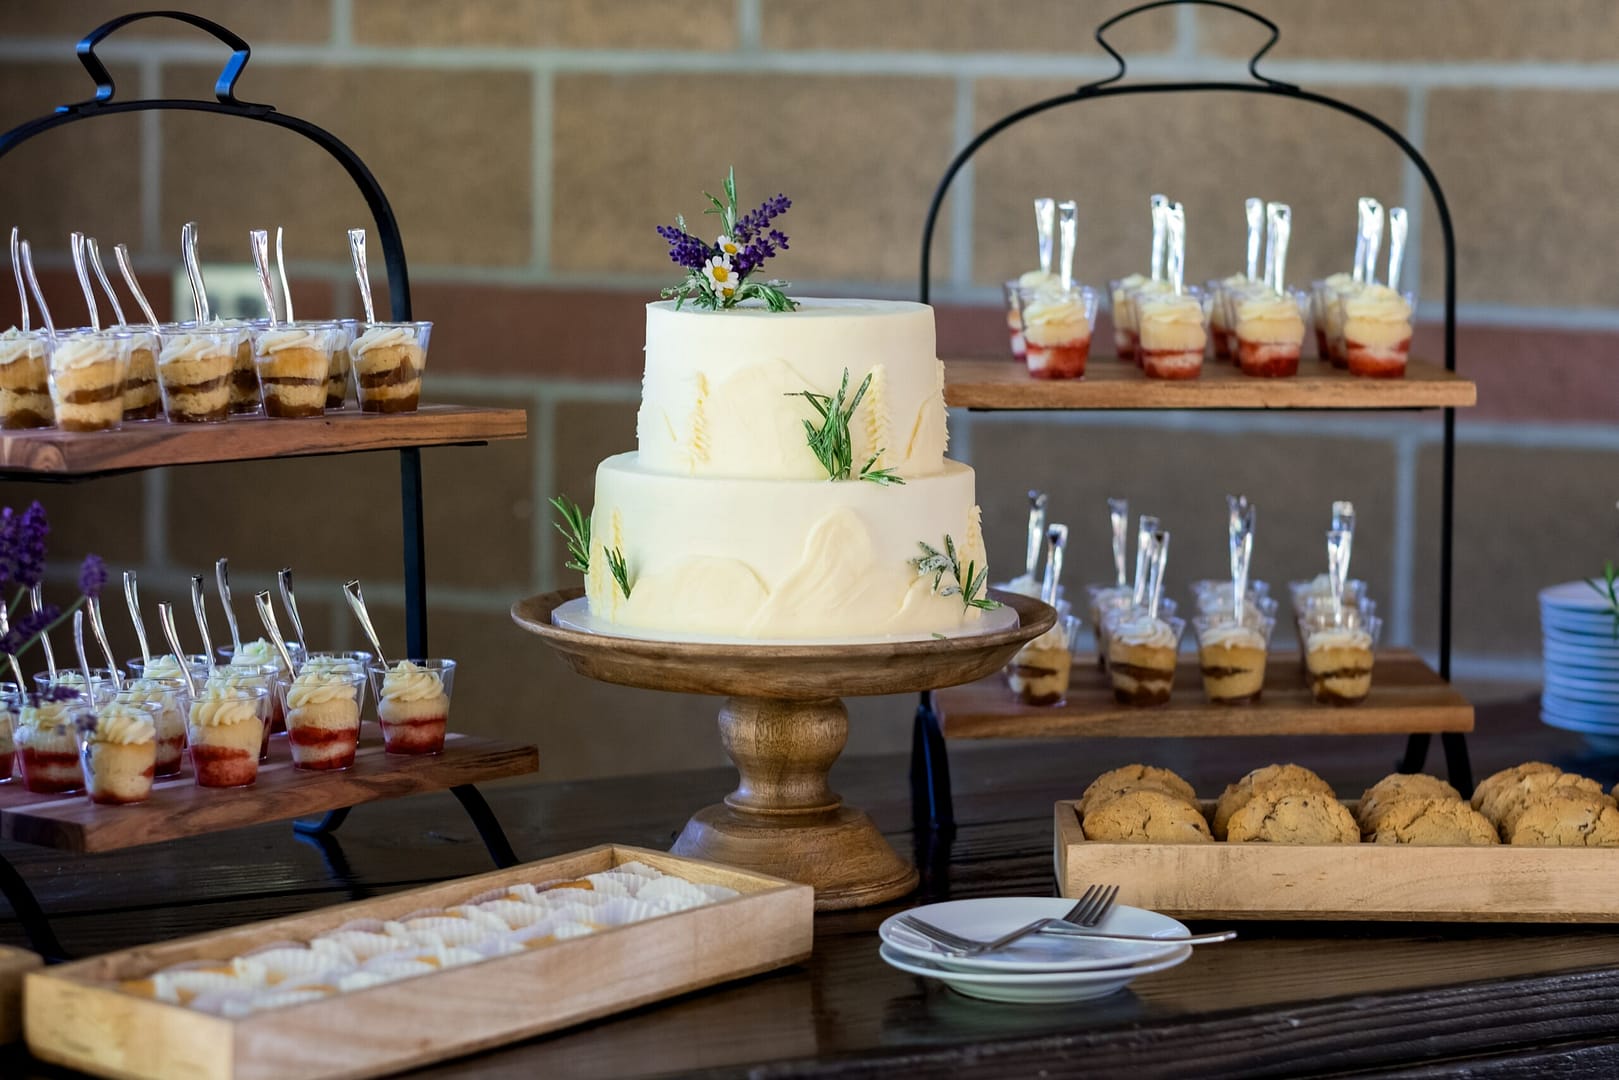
<point>728,247</point>
<point>721,275</point>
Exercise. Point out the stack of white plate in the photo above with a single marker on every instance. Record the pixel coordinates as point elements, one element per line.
<point>1580,654</point>
<point>1041,968</point>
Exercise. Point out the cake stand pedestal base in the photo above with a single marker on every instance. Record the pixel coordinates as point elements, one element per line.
<point>783,819</point>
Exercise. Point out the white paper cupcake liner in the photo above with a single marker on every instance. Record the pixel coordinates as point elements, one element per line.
<point>475,914</point>
<point>363,944</point>
<point>448,931</point>
<point>717,893</point>
<point>623,911</point>
<point>515,914</point>
<point>670,888</point>
<point>639,869</point>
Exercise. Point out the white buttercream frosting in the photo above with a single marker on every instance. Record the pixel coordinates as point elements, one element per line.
<point>316,687</point>
<point>220,705</point>
<point>1232,636</point>
<point>119,722</point>
<point>406,681</point>
<point>1338,637</point>
<point>293,337</point>
<point>77,352</point>
<point>380,336</point>
<point>195,346</point>
<point>1143,629</point>
<point>1036,279</point>
<point>15,345</point>
<point>1055,318</point>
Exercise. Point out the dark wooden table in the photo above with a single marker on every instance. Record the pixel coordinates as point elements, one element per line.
<point>1286,1000</point>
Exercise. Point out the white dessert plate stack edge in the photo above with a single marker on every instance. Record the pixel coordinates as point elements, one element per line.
<point>1580,660</point>
<point>1040,969</point>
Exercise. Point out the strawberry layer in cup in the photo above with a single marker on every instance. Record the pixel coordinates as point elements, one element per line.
<point>323,716</point>
<point>11,701</point>
<point>118,751</point>
<point>1057,329</point>
<point>1377,331</point>
<point>226,727</point>
<point>413,704</point>
<point>169,698</point>
<point>1174,333</point>
<point>47,746</point>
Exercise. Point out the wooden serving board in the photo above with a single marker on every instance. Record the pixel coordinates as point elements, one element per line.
<point>178,807</point>
<point>149,445</point>
<point>1111,384</point>
<point>1391,882</point>
<point>76,1016</point>
<point>14,964</point>
<point>1406,696</point>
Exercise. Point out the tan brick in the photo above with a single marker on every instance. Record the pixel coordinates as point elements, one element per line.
<point>409,125</point>
<point>285,20</point>
<point>1526,518</point>
<point>1043,26</point>
<point>105,516</point>
<point>528,331</point>
<point>45,185</point>
<point>1209,151</point>
<point>567,24</point>
<point>1182,477</point>
<point>1523,172</point>
<point>1577,30</point>
<point>583,433</point>
<point>859,186</point>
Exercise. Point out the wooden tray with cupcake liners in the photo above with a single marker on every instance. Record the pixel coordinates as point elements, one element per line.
<point>1365,881</point>
<point>76,1014</point>
<point>179,808</point>
<point>1406,696</point>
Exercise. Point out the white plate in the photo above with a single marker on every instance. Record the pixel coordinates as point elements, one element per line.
<point>1590,655</point>
<point>1586,711</point>
<point>1042,989</point>
<point>988,918</point>
<point>575,615</point>
<point>1595,639</point>
<point>1582,664</point>
<point>1574,595</point>
<point>1578,621</point>
<point>1581,687</point>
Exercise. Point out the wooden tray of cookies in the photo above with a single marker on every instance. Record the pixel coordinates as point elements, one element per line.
<point>79,1016</point>
<point>1365,881</point>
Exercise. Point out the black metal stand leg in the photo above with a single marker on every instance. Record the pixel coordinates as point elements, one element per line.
<point>1416,753</point>
<point>325,825</point>
<point>1457,765</point>
<point>410,497</point>
<point>337,861</point>
<point>29,914</point>
<point>932,806</point>
<point>488,826</point>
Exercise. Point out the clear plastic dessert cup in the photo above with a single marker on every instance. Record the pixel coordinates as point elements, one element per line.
<point>196,371</point>
<point>1225,294</point>
<point>322,707</point>
<point>226,726</point>
<point>170,700</point>
<point>388,360</point>
<point>413,704</point>
<point>25,380</point>
<point>246,398</point>
<point>1327,298</point>
<point>261,653</point>
<point>1376,325</point>
<point>1014,318</point>
<point>340,376</point>
<point>1231,656</point>
<point>101,684</point>
<point>1122,307</point>
<point>164,666</point>
<point>1322,298</point>
<point>1057,329</point>
<point>1270,330</point>
<point>87,379</point>
<point>1108,604</point>
<point>1172,331</point>
<point>118,752</point>
<point>1039,673</point>
<point>48,745</point>
<point>1318,588</point>
<point>11,702</point>
<point>1142,653</point>
<point>1338,657</point>
<point>294,362</point>
<point>1213,594</point>
<point>141,397</point>
<point>263,677</point>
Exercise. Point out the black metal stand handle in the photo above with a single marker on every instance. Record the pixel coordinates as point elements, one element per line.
<point>224,86</point>
<point>1253,61</point>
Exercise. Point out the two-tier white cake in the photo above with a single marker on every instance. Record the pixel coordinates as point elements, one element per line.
<point>725,518</point>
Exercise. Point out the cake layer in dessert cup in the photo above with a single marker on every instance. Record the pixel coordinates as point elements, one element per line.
<point>322,707</point>
<point>1376,331</point>
<point>1141,657</point>
<point>1165,364</point>
<point>25,390</point>
<point>226,728</point>
<point>48,748</point>
<point>1270,328</point>
<point>169,698</point>
<point>1338,657</point>
<point>1057,330</point>
<point>194,373</point>
<point>245,395</point>
<point>718,395</point>
<point>1173,333</point>
<point>293,364</point>
<point>1232,657</point>
<point>87,380</point>
<point>765,559</point>
<point>413,704</point>
<point>340,375</point>
<point>117,774</point>
<point>1377,362</point>
<point>388,360</point>
<point>1040,671</point>
<point>141,397</point>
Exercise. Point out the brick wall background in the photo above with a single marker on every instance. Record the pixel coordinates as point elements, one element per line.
<point>530,147</point>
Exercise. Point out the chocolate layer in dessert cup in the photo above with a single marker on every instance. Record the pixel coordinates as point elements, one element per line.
<point>1108,603</point>
<point>293,364</point>
<point>413,704</point>
<point>1173,332</point>
<point>322,706</point>
<point>25,384</point>
<point>1231,655</point>
<point>142,398</point>
<point>1039,673</point>
<point>195,369</point>
<point>1057,329</point>
<point>118,752</point>
<point>245,396</point>
<point>1338,657</point>
<point>47,743</point>
<point>11,702</point>
<point>340,376</point>
<point>225,725</point>
<point>87,379</point>
<point>388,360</point>
<point>1141,656</point>
<point>1377,331</point>
<point>1270,329</point>
<point>168,698</point>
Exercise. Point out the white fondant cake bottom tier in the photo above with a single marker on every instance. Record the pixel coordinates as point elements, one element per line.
<point>779,558</point>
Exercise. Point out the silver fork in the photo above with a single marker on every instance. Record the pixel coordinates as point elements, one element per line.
<point>1093,906</point>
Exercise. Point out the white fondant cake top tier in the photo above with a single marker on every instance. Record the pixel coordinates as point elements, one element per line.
<point>718,397</point>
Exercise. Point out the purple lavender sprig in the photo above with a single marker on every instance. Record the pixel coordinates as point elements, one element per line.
<point>22,566</point>
<point>717,274</point>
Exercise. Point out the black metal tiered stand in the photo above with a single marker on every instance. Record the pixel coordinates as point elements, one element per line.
<point>452,425</point>
<point>931,801</point>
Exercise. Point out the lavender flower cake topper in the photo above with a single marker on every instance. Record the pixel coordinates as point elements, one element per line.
<point>717,274</point>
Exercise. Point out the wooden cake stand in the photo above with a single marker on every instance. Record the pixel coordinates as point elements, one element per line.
<point>783,725</point>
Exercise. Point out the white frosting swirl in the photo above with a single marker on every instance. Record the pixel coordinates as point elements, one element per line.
<point>1232,636</point>
<point>1338,637</point>
<point>1143,629</point>
<point>81,352</point>
<point>380,336</point>
<point>123,723</point>
<point>315,687</point>
<point>17,345</point>
<point>178,347</point>
<point>293,337</point>
<point>1036,279</point>
<point>406,681</point>
<point>221,706</point>
<point>1053,318</point>
<point>45,714</point>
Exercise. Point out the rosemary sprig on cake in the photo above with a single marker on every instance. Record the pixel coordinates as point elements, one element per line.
<point>831,442</point>
<point>575,529</point>
<point>718,275</point>
<point>966,585</point>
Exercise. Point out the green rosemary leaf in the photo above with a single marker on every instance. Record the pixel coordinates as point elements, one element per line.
<point>966,585</point>
<point>880,476</point>
<point>938,636</point>
<point>730,190</point>
<point>575,529</point>
<point>621,572</point>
